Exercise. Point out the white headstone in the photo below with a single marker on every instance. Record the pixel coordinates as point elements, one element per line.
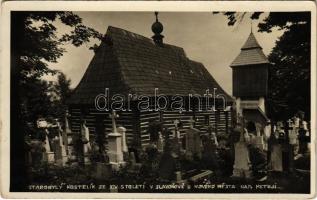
<point>267,131</point>
<point>292,137</point>
<point>62,143</point>
<point>115,152</point>
<point>305,125</point>
<point>275,163</point>
<point>241,167</point>
<point>122,131</point>
<point>47,142</point>
<point>259,142</point>
<point>87,147</point>
<point>49,154</point>
<point>258,127</point>
<point>87,136</point>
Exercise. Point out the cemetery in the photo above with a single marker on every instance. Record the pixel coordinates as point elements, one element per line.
<point>234,144</point>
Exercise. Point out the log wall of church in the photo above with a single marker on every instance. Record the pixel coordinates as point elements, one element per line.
<point>137,122</point>
<point>125,119</point>
<point>219,119</point>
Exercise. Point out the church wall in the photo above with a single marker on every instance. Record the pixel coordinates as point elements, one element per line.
<point>137,122</point>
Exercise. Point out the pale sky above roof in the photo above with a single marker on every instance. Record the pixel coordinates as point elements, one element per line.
<point>205,37</point>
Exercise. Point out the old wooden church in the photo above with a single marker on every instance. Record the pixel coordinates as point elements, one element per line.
<point>129,63</point>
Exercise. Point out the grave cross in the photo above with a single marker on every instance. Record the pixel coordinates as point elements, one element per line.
<point>192,122</point>
<point>176,124</point>
<point>113,117</point>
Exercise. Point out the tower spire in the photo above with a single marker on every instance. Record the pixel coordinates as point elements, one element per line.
<point>156,15</point>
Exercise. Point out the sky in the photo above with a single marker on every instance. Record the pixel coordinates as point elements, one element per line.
<point>205,37</point>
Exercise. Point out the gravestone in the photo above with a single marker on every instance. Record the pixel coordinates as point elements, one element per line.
<point>176,146</point>
<point>296,122</point>
<point>209,154</point>
<point>57,151</point>
<point>36,149</point>
<point>132,158</point>
<point>63,143</point>
<point>303,140</point>
<point>49,154</point>
<point>86,143</point>
<point>287,151</point>
<point>160,143</point>
<point>176,129</point>
<point>193,141</point>
<point>103,170</point>
<point>259,142</point>
<point>69,140</point>
<point>275,150</point>
<point>115,152</point>
<point>178,176</point>
<point>27,151</point>
<point>267,133</point>
<point>122,131</point>
<point>167,165</point>
<point>292,133</point>
<point>78,149</point>
<point>242,164</point>
<point>177,136</point>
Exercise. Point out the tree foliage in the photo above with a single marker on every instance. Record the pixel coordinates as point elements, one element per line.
<point>289,72</point>
<point>40,43</point>
<point>36,42</point>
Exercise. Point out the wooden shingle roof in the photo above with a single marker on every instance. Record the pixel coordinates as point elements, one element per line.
<point>128,63</point>
<point>251,53</point>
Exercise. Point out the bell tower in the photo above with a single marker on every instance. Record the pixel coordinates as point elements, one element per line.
<point>250,81</point>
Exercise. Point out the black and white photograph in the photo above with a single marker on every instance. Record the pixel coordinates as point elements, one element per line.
<point>160,101</point>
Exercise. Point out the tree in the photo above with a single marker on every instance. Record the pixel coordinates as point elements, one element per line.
<point>289,72</point>
<point>35,42</point>
<point>61,91</point>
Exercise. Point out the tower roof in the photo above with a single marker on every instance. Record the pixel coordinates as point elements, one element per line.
<point>128,63</point>
<point>251,53</point>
